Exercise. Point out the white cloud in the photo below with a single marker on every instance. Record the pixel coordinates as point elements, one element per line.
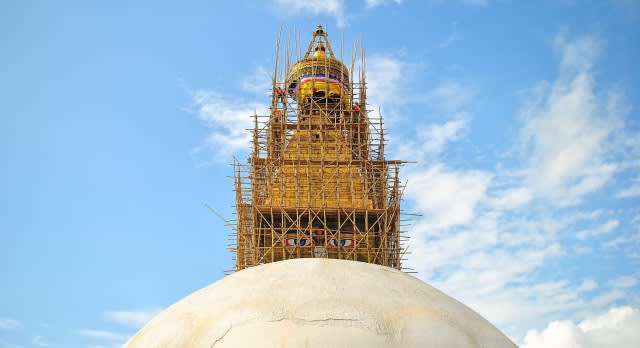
<point>568,128</point>
<point>39,341</point>
<point>334,8</point>
<point>605,228</point>
<point>103,335</point>
<point>437,136</point>
<point>131,318</point>
<point>501,283</point>
<point>475,2</point>
<point>9,323</point>
<point>631,191</point>
<point>432,140</point>
<point>623,282</point>
<point>6,344</point>
<point>375,3</point>
<point>447,197</point>
<point>229,120</point>
<point>619,327</point>
<point>134,318</point>
<point>588,285</point>
<point>577,55</point>
<point>258,83</point>
<point>496,260</point>
<point>498,265</point>
<point>511,198</point>
<point>385,75</point>
<point>389,78</point>
<point>625,242</point>
<point>450,96</point>
<point>453,37</point>
<point>471,244</point>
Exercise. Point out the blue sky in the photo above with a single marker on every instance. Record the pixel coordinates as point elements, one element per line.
<point>118,120</point>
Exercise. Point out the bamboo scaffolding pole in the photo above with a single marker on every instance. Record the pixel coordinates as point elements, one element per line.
<point>317,183</point>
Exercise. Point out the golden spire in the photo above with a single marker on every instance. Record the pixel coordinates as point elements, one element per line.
<point>319,73</point>
<point>321,37</point>
<point>317,183</point>
<point>320,51</point>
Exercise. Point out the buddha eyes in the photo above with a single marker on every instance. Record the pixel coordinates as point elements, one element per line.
<point>333,242</point>
<point>344,243</point>
<point>347,242</point>
<point>297,242</point>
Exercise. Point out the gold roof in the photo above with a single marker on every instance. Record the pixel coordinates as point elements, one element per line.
<point>321,62</point>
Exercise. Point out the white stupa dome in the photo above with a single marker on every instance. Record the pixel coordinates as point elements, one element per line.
<point>318,303</point>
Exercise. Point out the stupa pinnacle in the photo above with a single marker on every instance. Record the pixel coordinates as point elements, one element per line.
<point>317,184</point>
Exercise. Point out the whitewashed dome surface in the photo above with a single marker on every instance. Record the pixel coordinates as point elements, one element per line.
<point>318,303</point>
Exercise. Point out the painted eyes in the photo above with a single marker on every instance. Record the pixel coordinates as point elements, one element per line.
<point>344,243</point>
<point>333,242</point>
<point>297,242</point>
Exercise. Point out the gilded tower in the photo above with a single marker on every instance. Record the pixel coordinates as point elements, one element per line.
<point>317,183</point>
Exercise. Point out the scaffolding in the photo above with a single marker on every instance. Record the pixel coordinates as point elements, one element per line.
<point>317,183</point>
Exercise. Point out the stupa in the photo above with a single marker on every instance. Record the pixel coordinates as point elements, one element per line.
<point>317,183</point>
<point>318,240</point>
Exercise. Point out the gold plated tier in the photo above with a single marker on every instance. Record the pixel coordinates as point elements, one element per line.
<point>318,74</point>
<point>317,183</point>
